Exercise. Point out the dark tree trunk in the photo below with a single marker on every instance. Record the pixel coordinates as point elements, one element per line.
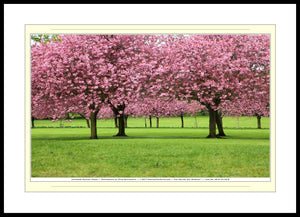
<point>220,124</point>
<point>157,122</point>
<point>145,122</point>
<point>150,119</point>
<point>116,122</point>
<point>88,123</point>
<point>87,120</point>
<point>121,126</point>
<point>125,120</point>
<point>32,121</point>
<point>258,121</point>
<point>68,115</point>
<point>119,110</point>
<point>93,118</point>
<point>212,123</point>
<point>182,123</point>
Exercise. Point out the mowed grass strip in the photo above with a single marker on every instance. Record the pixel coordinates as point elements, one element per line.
<point>163,152</point>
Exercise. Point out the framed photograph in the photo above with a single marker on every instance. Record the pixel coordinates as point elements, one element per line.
<point>150,108</point>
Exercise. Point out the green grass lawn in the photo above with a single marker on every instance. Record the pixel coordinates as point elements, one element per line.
<point>174,122</point>
<point>169,151</point>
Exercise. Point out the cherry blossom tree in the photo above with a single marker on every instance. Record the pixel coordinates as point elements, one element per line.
<point>215,68</point>
<point>255,103</point>
<point>91,70</point>
<point>44,104</point>
<point>154,107</point>
<point>178,108</point>
<point>193,108</point>
<point>39,109</point>
<point>254,98</point>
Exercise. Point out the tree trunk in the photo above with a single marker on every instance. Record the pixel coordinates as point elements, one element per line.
<point>125,120</point>
<point>87,120</point>
<point>182,123</point>
<point>93,118</point>
<point>145,122</point>
<point>116,122</point>
<point>61,124</point>
<point>212,123</point>
<point>121,125</point>
<point>119,112</point>
<point>32,122</point>
<point>157,122</point>
<point>196,124</point>
<point>258,121</point>
<point>150,119</point>
<point>220,124</point>
<point>88,123</point>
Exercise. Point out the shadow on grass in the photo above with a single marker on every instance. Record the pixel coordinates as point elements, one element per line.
<point>229,128</point>
<point>165,137</point>
<point>140,137</point>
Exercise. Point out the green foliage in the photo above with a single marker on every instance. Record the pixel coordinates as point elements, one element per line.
<point>45,38</point>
